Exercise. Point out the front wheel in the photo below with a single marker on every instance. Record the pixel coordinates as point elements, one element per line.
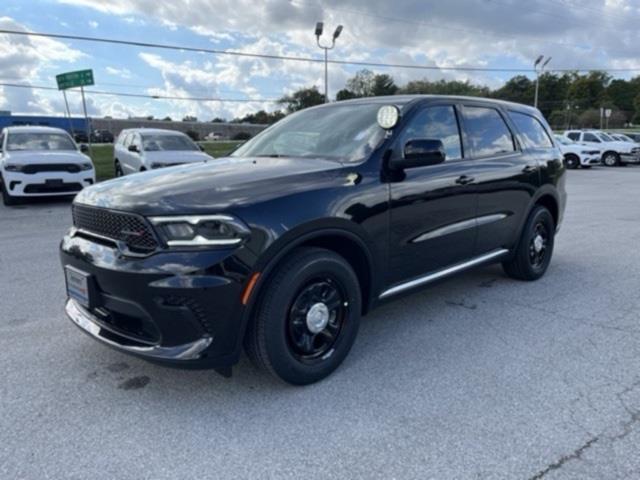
<point>533,253</point>
<point>307,318</point>
<point>572,161</point>
<point>7,199</point>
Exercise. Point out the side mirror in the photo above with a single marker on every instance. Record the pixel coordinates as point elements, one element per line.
<point>133,148</point>
<point>84,148</point>
<point>420,153</point>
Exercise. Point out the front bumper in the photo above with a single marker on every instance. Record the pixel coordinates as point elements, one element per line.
<point>46,183</point>
<point>178,308</point>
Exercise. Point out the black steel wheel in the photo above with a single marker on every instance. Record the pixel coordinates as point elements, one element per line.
<point>572,161</point>
<point>532,255</point>
<point>307,317</point>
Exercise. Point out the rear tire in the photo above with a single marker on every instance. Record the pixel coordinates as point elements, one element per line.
<point>535,248</point>
<point>307,317</point>
<point>611,159</point>
<point>572,161</point>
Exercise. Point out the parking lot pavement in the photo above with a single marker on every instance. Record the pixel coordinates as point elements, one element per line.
<point>478,377</point>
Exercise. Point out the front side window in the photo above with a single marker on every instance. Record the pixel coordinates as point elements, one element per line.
<point>531,131</point>
<point>39,141</point>
<point>604,137</point>
<point>435,123</point>
<point>162,143</point>
<point>346,133</point>
<point>575,136</point>
<point>487,132</point>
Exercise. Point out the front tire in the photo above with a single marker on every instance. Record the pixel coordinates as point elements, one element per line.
<point>535,248</point>
<point>307,318</point>
<point>611,159</point>
<point>7,199</point>
<point>572,161</point>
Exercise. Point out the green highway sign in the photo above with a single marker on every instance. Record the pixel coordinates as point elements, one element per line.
<point>80,78</point>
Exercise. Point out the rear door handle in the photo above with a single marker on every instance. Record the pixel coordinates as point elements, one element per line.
<point>464,180</point>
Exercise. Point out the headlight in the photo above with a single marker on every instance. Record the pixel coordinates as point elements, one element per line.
<point>200,230</point>
<point>13,168</point>
<point>86,166</point>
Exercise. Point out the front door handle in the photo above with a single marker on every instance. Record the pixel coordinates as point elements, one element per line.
<point>464,180</point>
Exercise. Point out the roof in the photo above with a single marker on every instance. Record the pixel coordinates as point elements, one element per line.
<point>152,131</point>
<point>34,129</point>
<point>405,99</point>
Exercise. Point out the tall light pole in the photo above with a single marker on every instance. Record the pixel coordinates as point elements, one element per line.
<point>326,48</point>
<point>538,71</point>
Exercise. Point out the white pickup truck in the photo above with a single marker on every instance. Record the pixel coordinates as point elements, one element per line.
<point>614,152</point>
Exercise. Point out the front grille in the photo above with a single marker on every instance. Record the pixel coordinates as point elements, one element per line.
<point>125,227</point>
<point>51,167</point>
<point>196,309</point>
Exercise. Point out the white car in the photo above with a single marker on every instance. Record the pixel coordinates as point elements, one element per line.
<point>578,154</point>
<point>614,152</point>
<point>41,161</point>
<point>213,136</point>
<point>621,137</point>
<point>140,149</point>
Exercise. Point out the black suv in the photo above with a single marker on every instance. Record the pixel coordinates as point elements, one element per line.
<point>283,245</point>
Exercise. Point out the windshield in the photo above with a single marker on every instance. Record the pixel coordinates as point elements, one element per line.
<point>161,143</point>
<point>341,132</point>
<point>605,137</point>
<point>39,141</point>
<point>563,140</point>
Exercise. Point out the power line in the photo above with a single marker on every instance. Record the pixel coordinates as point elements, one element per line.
<point>149,96</point>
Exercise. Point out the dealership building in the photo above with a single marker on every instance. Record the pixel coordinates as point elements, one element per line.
<point>115,125</point>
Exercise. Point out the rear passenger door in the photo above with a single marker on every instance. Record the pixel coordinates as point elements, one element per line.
<point>506,176</point>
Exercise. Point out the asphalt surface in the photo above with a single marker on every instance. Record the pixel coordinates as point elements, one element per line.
<point>480,377</point>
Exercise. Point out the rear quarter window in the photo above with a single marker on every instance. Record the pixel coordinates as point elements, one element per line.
<point>531,133</point>
<point>487,132</point>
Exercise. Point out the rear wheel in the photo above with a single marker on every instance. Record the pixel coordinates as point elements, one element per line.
<point>307,318</point>
<point>572,161</point>
<point>535,248</point>
<point>611,159</point>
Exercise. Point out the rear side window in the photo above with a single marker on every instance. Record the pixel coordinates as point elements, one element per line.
<point>487,132</point>
<point>575,136</point>
<point>531,132</point>
<point>436,123</point>
<point>590,137</point>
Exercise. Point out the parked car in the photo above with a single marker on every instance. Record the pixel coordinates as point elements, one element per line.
<point>634,136</point>
<point>621,137</point>
<point>614,152</point>
<point>80,137</point>
<point>282,246</point>
<point>578,155</point>
<point>141,149</point>
<point>213,136</point>
<point>102,136</point>
<point>41,161</point>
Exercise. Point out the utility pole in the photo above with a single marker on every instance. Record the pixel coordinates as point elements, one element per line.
<point>538,73</point>
<point>86,122</point>
<point>326,48</point>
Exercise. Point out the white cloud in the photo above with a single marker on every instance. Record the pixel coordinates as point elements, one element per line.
<point>119,72</point>
<point>93,24</point>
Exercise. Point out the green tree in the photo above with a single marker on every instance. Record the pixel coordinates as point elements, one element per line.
<point>361,84</point>
<point>345,94</point>
<point>302,98</point>
<point>383,85</point>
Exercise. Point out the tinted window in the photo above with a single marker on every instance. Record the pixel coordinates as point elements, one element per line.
<point>531,131</point>
<point>436,123</point>
<point>575,136</point>
<point>487,132</point>
<point>590,137</point>
<point>156,143</point>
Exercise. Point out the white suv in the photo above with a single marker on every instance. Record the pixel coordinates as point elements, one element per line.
<point>576,155</point>
<point>41,161</point>
<point>614,152</point>
<point>140,149</point>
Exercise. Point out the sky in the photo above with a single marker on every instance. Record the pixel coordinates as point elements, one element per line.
<point>510,34</point>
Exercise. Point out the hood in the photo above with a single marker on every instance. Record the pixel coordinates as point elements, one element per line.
<point>45,157</point>
<point>183,156</point>
<point>211,186</point>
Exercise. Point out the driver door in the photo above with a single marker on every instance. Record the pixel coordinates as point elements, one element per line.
<point>433,208</point>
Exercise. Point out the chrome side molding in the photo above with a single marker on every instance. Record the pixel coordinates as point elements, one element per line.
<point>460,226</point>
<point>431,277</point>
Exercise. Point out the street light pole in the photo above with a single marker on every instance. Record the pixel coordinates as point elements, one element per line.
<point>538,72</point>
<point>326,48</point>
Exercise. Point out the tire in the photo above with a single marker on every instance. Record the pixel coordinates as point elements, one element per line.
<point>280,338</point>
<point>118,169</point>
<point>572,161</point>
<point>7,199</point>
<point>535,248</point>
<point>611,159</point>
